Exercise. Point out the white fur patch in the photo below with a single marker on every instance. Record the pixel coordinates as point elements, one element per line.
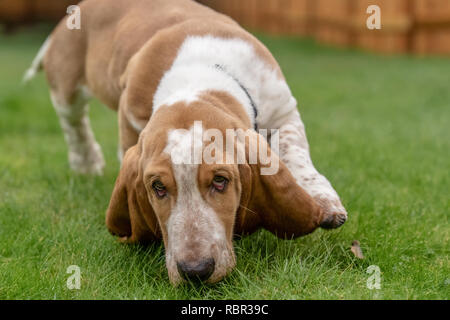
<point>194,71</point>
<point>185,146</point>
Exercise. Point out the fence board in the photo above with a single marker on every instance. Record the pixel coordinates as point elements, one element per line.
<point>429,41</point>
<point>14,11</point>
<point>432,11</point>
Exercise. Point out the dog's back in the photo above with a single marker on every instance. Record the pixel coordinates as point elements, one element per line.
<point>111,32</point>
<point>114,37</point>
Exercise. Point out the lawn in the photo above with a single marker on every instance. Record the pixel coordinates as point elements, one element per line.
<point>378,127</point>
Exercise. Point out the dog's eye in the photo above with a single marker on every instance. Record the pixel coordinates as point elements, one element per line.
<point>219,183</point>
<point>159,188</point>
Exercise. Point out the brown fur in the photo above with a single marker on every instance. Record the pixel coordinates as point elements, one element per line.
<point>121,53</point>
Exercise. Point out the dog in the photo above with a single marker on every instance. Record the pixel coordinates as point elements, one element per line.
<point>173,70</point>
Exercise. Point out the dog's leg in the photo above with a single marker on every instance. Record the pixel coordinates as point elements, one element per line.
<point>85,155</point>
<point>294,151</point>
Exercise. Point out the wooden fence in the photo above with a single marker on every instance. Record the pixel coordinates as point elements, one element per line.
<point>18,12</point>
<point>417,26</point>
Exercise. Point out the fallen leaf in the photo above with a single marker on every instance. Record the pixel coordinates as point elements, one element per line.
<point>356,249</point>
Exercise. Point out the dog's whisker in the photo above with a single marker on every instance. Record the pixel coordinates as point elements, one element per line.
<point>241,206</point>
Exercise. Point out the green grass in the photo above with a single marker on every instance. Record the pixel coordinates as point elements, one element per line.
<point>379,130</point>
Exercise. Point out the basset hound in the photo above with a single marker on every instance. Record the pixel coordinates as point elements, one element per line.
<point>179,73</point>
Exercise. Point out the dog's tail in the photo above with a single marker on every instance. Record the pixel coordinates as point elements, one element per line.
<point>36,65</point>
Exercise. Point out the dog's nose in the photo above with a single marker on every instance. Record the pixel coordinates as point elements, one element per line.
<point>196,270</point>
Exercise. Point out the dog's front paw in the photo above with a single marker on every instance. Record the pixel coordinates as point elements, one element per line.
<point>333,220</point>
<point>334,214</point>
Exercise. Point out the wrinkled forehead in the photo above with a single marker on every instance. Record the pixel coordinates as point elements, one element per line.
<point>204,145</point>
<point>184,149</point>
<point>180,146</point>
<point>192,156</point>
<point>185,146</point>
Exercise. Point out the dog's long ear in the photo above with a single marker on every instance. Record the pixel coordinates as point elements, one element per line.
<point>283,207</point>
<point>247,220</point>
<point>130,214</point>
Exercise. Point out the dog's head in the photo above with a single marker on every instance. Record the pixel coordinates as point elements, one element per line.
<point>181,182</point>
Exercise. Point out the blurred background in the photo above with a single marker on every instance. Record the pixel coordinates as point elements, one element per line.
<point>376,106</point>
<point>408,26</point>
